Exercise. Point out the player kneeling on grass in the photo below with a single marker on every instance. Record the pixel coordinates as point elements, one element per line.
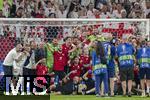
<point>77,85</point>
<point>143,57</point>
<point>65,86</point>
<point>40,81</point>
<point>100,68</point>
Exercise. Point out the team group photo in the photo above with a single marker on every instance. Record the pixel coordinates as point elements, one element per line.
<point>75,49</point>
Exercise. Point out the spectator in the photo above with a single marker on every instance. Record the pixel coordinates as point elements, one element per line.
<point>6,8</point>
<point>83,13</point>
<point>61,11</point>
<point>127,6</point>
<point>105,13</point>
<point>49,7</point>
<point>90,12</point>
<point>74,8</point>
<point>137,11</point>
<point>148,16</point>
<point>74,13</point>
<point>86,3</point>
<point>40,13</point>
<point>99,3</point>
<point>18,14</point>
<point>147,10</point>
<point>117,12</point>
<point>97,13</point>
<point>1,14</point>
<point>123,13</point>
<point>52,15</point>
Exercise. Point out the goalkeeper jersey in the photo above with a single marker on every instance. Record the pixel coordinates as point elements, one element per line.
<point>50,48</point>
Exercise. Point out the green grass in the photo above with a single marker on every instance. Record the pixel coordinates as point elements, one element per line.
<point>92,97</point>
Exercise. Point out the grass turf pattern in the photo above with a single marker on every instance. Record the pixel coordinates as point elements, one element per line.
<point>93,97</point>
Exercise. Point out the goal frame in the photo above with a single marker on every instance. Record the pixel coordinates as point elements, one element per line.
<point>80,19</point>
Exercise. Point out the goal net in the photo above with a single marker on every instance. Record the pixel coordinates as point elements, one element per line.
<point>42,30</point>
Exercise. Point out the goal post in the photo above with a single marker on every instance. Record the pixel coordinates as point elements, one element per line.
<point>27,20</point>
<point>42,29</point>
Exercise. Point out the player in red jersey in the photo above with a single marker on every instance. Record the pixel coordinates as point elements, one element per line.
<point>85,61</point>
<point>59,64</point>
<point>76,66</point>
<point>41,68</point>
<point>66,47</point>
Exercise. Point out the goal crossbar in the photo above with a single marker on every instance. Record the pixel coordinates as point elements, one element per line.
<point>147,21</point>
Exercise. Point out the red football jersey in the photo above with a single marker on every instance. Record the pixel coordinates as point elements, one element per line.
<point>78,69</point>
<point>86,60</point>
<point>41,69</point>
<point>65,50</point>
<point>59,61</point>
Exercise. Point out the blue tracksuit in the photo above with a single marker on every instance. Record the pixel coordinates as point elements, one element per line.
<point>100,72</point>
<point>125,52</point>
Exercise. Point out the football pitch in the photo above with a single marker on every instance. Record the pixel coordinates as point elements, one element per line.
<point>93,97</point>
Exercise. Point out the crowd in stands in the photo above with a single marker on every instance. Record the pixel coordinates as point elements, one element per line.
<point>75,9</point>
